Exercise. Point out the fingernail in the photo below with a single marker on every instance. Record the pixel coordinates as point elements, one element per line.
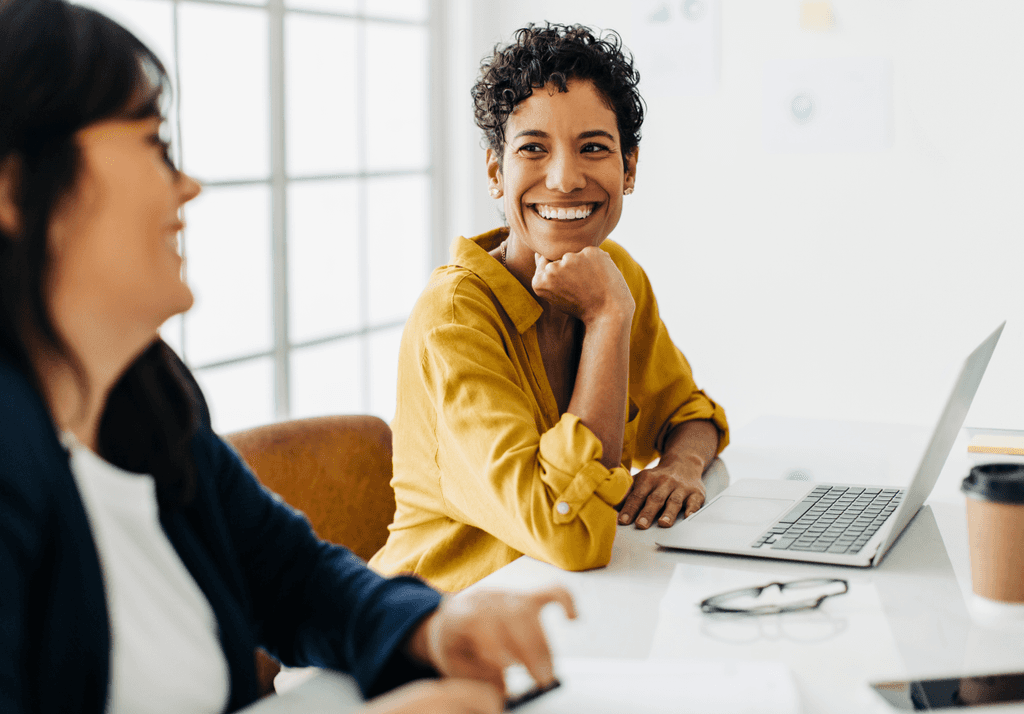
<point>623,518</point>
<point>666,520</point>
<point>642,522</point>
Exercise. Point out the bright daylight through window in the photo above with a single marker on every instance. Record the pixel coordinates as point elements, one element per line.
<point>307,121</point>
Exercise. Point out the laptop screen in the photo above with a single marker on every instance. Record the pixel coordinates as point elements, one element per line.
<point>943,437</point>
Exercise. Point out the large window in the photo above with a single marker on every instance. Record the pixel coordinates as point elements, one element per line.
<point>308,123</point>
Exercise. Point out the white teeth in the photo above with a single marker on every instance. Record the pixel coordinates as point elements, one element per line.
<point>575,213</point>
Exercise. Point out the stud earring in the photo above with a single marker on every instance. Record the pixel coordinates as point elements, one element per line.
<point>628,190</point>
<point>494,192</point>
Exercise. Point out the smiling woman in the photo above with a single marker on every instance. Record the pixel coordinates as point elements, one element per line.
<point>535,371</point>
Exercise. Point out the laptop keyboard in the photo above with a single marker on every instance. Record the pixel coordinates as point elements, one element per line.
<point>832,519</point>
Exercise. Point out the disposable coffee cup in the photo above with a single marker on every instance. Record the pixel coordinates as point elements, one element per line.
<point>995,531</point>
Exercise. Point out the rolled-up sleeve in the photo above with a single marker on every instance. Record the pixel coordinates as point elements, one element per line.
<point>543,491</point>
<point>562,448</point>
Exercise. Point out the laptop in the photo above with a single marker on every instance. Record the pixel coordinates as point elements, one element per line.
<point>834,523</point>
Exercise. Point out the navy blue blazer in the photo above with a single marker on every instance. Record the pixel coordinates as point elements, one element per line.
<point>270,581</point>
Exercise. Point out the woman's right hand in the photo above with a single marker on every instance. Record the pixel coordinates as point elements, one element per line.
<point>586,285</point>
<point>439,696</point>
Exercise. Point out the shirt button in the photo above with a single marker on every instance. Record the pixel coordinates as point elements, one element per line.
<point>562,507</point>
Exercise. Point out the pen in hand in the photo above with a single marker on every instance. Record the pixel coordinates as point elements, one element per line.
<point>519,700</point>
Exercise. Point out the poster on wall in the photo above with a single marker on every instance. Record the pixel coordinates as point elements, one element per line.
<point>827,105</point>
<point>677,46</point>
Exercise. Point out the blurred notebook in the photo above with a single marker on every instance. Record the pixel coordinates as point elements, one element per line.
<point>1010,444</point>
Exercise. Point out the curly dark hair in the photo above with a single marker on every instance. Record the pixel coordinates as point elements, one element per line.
<point>557,53</point>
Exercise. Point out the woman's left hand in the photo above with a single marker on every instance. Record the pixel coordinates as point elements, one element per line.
<point>666,488</point>
<point>477,634</point>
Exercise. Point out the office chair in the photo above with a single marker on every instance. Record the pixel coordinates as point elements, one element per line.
<point>336,470</point>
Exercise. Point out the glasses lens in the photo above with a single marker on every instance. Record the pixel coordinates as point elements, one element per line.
<point>819,586</point>
<point>794,595</point>
<point>744,600</point>
<point>805,593</point>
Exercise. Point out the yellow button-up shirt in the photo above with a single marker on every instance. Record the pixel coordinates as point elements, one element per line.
<point>485,468</point>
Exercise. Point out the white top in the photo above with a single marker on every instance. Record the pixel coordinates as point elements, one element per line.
<point>166,654</point>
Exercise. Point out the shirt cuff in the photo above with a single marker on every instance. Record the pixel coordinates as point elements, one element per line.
<point>702,408</point>
<point>571,456</point>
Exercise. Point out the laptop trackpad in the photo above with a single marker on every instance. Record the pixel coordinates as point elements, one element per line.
<point>728,524</point>
<point>740,511</point>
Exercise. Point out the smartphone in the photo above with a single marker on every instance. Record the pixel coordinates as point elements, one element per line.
<point>954,692</point>
<point>518,700</point>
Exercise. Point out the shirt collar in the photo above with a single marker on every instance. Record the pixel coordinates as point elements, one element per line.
<point>472,254</point>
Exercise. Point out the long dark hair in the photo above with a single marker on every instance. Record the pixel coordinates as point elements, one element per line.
<point>62,68</point>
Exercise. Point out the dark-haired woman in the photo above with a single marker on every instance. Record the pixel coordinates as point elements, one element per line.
<point>534,370</point>
<point>141,563</point>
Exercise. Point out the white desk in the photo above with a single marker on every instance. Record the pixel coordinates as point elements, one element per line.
<point>907,618</point>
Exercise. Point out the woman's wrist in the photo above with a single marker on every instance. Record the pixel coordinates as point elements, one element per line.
<point>686,461</point>
<point>418,645</point>
<point>691,444</point>
<point>616,318</point>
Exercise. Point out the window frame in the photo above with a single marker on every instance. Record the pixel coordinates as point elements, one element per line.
<point>279,182</point>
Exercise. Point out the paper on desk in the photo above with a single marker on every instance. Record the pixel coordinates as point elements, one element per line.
<point>312,691</point>
<point>802,639</point>
<point>596,686</point>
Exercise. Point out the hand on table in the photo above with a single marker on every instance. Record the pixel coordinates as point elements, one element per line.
<point>667,489</point>
<point>587,285</point>
<point>477,634</point>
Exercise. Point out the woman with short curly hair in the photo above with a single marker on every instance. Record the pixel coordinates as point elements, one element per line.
<point>534,370</point>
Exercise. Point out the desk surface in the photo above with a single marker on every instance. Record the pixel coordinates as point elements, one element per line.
<point>907,618</point>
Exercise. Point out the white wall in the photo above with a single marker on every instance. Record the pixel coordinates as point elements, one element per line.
<point>834,285</point>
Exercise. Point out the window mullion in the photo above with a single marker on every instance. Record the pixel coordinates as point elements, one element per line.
<point>279,206</point>
<point>439,61</point>
<point>363,236</point>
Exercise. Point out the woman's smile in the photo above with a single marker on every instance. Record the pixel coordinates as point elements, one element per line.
<point>564,212</point>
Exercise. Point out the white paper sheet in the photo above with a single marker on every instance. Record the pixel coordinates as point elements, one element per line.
<point>676,45</point>
<point>596,686</point>
<point>803,639</point>
<point>827,105</point>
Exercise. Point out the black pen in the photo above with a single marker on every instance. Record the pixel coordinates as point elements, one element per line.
<point>521,699</point>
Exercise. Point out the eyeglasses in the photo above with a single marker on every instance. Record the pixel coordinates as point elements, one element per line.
<point>797,595</point>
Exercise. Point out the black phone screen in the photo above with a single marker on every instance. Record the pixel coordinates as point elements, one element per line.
<point>519,700</point>
<point>953,693</point>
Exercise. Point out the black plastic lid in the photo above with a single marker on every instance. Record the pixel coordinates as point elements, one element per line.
<point>1002,483</point>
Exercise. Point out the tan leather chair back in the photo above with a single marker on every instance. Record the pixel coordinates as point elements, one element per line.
<point>335,469</point>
